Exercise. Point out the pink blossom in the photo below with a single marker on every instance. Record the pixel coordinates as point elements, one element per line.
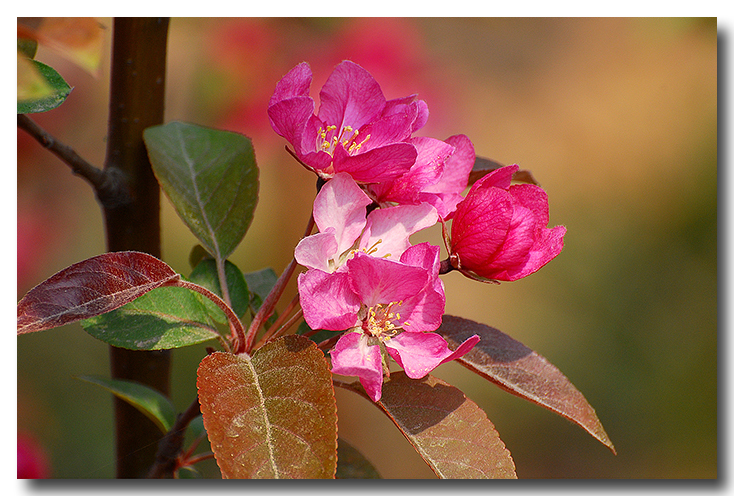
<point>383,303</point>
<point>499,231</point>
<point>340,214</point>
<point>438,177</point>
<point>356,129</point>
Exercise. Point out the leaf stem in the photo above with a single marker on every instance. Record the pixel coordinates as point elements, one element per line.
<point>238,331</point>
<point>222,276</point>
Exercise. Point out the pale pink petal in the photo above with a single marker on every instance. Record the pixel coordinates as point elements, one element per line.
<point>341,205</point>
<point>419,353</point>
<point>316,250</point>
<point>388,229</point>
<point>327,300</point>
<point>354,356</point>
<point>350,97</point>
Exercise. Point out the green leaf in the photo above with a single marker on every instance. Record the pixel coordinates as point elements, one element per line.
<point>260,283</point>
<point>59,91</point>
<point>272,415</point>
<point>27,47</point>
<point>205,274</point>
<point>450,432</point>
<point>519,370</point>
<point>150,402</point>
<point>165,318</point>
<point>352,464</point>
<point>211,178</point>
<point>319,336</point>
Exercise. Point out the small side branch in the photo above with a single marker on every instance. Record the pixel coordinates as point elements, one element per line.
<point>106,186</point>
<point>170,447</point>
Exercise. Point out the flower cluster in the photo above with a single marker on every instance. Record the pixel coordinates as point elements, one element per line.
<point>382,185</point>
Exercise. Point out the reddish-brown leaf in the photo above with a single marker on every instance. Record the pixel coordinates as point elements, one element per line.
<point>451,433</point>
<point>519,370</point>
<point>91,287</point>
<point>272,415</point>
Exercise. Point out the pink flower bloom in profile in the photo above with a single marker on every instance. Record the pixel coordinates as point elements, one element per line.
<point>357,130</point>
<point>499,231</point>
<point>383,303</point>
<point>438,177</point>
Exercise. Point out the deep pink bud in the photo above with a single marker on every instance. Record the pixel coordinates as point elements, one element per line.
<point>499,230</point>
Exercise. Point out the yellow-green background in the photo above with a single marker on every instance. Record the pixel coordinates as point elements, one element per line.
<point>616,118</point>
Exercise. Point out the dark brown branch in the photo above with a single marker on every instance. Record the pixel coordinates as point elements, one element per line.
<point>137,85</point>
<point>108,188</point>
<point>171,446</point>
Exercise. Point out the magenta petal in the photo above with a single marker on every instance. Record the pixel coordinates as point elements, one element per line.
<point>515,250</point>
<point>498,178</point>
<point>386,130</point>
<point>354,356</point>
<point>424,310</point>
<point>418,352</point>
<point>548,244</point>
<point>456,170</point>
<point>350,97</point>
<point>480,225</point>
<point>327,300</point>
<point>463,349</point>
<point>289,119</point>
<point>380,164</point>
<point>533,198</point>
<point>377,280</point>
<point>296,83</point>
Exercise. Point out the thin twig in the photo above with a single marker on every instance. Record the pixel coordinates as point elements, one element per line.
<point>171,445</point>
<point>102,182</point>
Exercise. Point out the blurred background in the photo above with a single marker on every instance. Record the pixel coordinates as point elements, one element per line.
<point>615,117</point>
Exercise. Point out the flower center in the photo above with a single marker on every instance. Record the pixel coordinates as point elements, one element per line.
<point>382,322</point>
<point>328,139</point>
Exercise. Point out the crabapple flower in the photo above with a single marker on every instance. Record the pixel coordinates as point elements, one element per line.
<point>438,177</point>
<point>385,304</point>
<point>499,231</point>
<point>357,130</point>
<point>340,213</point>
